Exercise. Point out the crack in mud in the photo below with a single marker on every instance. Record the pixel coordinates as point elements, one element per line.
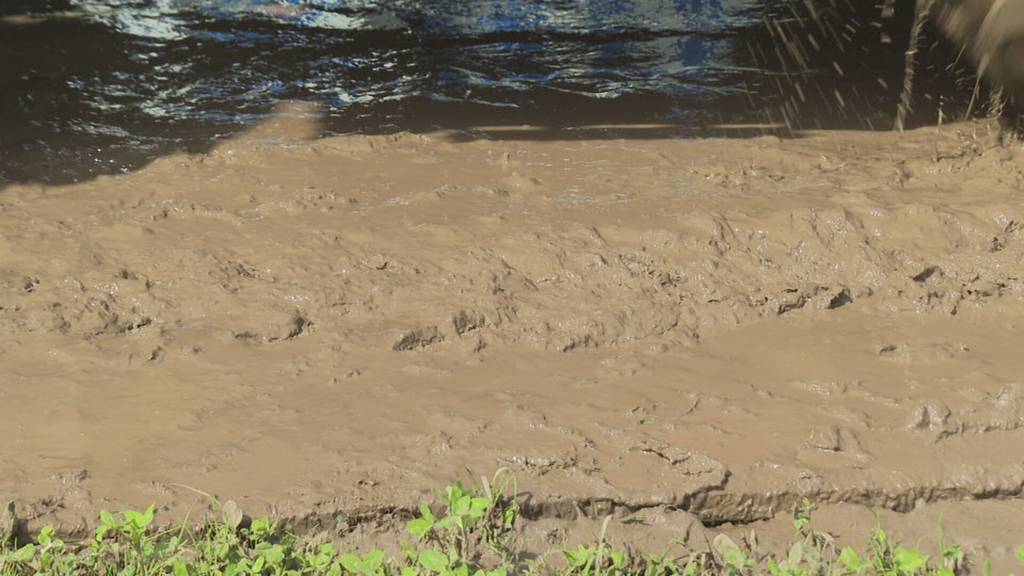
<point>714,507</point>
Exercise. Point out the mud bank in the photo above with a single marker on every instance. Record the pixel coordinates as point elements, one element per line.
<point>717,328</point>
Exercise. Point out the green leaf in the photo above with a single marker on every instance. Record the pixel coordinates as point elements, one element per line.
<point>261,528</point>
<point>433,560</point>
<point>618,558</point>
<point>509,516</point>
<point>851,560</point>
<point>351,563</point>
<point>373,561</point>
<point>426,513</point>
<point>986,568</point>
<point>45,535</point>
<point>460,507</point>
<point>731,554</point>
<point>478,507</point>
<point>909,561</point>
<point>24,554</point>
<point>419,527</point>
<point>953,555</point>
<point>107,519</point>
<point>274,555</point>
<point>132,517</point>
<point>148,516</point>
<point>880,538</point>
<point>180,569</point>
<point>324,557</point>
<point>449,521</point>
<point>1020,554</point>
<point>575,558</point>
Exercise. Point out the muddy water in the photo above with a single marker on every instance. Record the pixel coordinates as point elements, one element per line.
<point>90,87</point>
<point>710,328</point>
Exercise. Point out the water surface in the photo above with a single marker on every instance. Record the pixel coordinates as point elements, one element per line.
<point>94,87</point>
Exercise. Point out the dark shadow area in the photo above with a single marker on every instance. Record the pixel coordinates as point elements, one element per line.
<point>89,89</point>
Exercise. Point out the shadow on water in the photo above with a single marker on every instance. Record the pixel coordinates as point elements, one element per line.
<point>91,87</point>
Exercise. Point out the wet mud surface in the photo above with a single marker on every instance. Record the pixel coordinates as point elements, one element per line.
<point>702,331</point>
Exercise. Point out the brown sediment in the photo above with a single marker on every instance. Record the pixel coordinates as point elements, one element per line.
<point>709,330</point>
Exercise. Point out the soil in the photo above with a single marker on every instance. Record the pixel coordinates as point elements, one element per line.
<point>699,332</point>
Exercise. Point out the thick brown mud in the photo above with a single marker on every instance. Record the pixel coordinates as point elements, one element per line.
<point>702,331</point>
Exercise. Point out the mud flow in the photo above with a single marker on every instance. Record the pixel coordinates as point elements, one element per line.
<point>323,260</point>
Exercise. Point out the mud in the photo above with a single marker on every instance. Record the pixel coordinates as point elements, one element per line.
<point>707,331</point>
<point>991,32</point>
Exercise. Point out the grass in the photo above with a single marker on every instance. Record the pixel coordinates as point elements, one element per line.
<point>474,533</point>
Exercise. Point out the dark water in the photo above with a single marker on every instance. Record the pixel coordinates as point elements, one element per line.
<point>90,87</point>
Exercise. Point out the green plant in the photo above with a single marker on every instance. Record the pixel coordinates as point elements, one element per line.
<point>463,511</point>
<point>730,556</point>
<point>470,517</point>
<point>373,563</point>
<point>596,559</point>
<point>661,565</point>
<point>453,542</point>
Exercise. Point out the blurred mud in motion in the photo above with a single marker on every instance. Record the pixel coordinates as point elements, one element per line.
<point>92,87</point>
<point>992,34</point>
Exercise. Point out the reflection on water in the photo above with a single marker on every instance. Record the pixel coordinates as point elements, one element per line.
<point>92,86</point>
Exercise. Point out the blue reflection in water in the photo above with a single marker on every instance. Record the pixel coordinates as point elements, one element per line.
<point>487,51</point>
<point>148,72</point>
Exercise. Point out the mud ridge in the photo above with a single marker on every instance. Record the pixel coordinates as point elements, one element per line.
<point>713,509</point>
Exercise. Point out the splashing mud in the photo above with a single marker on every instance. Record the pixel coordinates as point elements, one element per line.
<point>992,34</point>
